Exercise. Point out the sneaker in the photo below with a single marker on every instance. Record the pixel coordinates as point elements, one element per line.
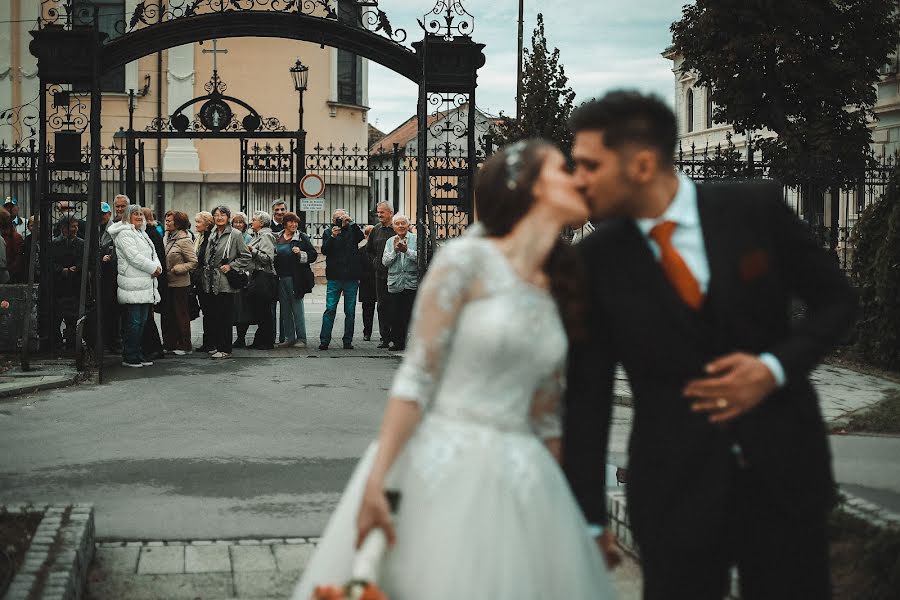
<point>133,365</point>
<point>219,355</point>
<point>384,345</point>
<point>300,344</point>
<point>348,346</point>
<point>213,351</point>
<point>180,352</point>
<point>290,344</point>
<point>147,363</point>
<point>367,338</point>
<point>323,346</point>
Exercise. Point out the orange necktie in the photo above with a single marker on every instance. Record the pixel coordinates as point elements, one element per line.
<point>674,266</point>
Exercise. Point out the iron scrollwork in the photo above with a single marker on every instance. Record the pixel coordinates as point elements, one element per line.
<point>448,19</point>
<point>149,13</point>
<point>21,119</point>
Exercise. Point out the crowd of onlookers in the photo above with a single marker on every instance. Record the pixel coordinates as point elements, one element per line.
<point>231,270</point>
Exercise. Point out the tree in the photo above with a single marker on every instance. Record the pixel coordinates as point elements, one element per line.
<point>547,100</point>
<point>876,273</point>
<point>805,69</point>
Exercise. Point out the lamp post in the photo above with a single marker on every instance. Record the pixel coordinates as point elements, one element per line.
<point>300,77</point>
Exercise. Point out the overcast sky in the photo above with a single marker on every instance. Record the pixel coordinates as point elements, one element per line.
<point>604,44</point>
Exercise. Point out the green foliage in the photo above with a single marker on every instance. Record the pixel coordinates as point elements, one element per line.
<point>804,69</point>
<point>547,100</point>
<point>876,273</point>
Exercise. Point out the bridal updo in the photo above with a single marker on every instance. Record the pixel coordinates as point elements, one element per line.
<point>503,196</point>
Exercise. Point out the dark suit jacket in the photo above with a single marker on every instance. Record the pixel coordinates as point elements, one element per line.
<point>760,257</point>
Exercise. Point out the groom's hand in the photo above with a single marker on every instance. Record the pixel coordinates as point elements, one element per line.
<point>737,383</point>
<point>609,548</point>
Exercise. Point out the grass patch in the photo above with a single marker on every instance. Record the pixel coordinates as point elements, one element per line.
<point>865,560</point>
<point>884,417</point>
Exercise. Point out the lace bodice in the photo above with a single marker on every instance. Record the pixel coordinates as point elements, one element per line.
<point>486,346</point>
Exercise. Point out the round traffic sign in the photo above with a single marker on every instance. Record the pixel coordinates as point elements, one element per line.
<point>312,186</point>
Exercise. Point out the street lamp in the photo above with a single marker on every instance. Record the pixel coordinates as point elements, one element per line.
<point>300,77</point>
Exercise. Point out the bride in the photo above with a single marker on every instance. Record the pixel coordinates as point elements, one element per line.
<point>485,511</point>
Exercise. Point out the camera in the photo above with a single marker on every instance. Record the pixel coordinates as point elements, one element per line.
<point>338,223</point>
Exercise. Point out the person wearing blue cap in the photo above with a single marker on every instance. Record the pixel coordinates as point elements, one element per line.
<point>12,205</point>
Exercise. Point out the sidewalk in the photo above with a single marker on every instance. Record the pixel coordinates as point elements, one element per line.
<point>218,569</point>
<point>45,375</point>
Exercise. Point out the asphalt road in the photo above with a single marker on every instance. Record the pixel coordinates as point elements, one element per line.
<point>257,446</point>
<point>197,449</point>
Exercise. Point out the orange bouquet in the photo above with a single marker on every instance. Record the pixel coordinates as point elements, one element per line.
<point>355,590</point>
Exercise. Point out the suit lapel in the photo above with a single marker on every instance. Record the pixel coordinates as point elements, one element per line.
<point>718,239</point>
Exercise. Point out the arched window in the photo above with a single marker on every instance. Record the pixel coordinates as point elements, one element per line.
<point>690,109</point>
<point>709,108</point>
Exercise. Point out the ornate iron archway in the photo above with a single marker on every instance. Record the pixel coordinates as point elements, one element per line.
<point>72,51</point>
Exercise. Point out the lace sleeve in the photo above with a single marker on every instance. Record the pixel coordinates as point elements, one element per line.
<point>545,414</point>
<point>443,292</point>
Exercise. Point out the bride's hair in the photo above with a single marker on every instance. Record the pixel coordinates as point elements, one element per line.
<point>503,196</point>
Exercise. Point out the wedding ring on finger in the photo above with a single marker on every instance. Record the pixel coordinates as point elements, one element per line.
<point>721,403</point>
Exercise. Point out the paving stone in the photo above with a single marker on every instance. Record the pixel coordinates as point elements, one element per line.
<point>249,542</point>
<point>252,558</point>
<point>116,560</point>
<point>296,541</point>
<point>278,584</point>
<point>161,560</point>
<point>207,559</point>
<point>293,557</point>
<point>156,544</point>
<point>185,586</point>
<point>201,543</point>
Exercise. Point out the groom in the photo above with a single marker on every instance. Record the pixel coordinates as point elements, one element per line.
<point>689,288</point>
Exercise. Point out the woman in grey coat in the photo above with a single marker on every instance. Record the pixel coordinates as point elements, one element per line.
<point>262,253</point>
<point>226,250</point>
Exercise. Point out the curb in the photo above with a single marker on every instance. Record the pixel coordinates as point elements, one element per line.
<point>29,388</point>
<point>56,563</point>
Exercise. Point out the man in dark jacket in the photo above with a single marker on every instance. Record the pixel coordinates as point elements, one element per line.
<point>379,235</point>
<point>66,255</point>
<point>343,269</point>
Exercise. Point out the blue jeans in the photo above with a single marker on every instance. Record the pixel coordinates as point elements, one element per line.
<point>332,297</point>
<point>133,321</point>
<point>293,322</point>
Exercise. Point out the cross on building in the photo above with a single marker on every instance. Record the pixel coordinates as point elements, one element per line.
<point>215,52</point>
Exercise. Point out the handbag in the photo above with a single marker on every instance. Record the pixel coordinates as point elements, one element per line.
<point>263,285</point>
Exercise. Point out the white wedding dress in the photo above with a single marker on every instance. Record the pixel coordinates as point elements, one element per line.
<point>485,511</point>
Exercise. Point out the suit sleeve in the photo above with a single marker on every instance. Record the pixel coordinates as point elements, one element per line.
<point>587,411</point>
<point>813,276</point>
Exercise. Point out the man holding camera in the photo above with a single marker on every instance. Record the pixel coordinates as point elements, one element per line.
<point>343,270</point>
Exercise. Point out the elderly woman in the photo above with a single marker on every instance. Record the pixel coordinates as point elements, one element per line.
<point>138,267</point>
<point>181,261</point>
<point>263,288</point>
<point>294,253</point>
<point>240,222</point>
<point>152,343</point>
<point>403,278</point>
<point>225,251</point>
<point>243,312</point>
<point>203,225</point>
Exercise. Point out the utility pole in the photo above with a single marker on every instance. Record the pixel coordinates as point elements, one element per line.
<point>519,67</point>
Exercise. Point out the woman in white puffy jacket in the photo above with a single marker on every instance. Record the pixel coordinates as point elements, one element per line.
<point>138,267</point>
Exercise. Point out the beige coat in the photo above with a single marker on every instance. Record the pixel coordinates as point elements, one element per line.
<point>180,258</point>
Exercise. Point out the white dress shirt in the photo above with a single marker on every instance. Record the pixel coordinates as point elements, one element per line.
<point>688,240</point>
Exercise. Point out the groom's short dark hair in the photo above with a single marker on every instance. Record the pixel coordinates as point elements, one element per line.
<point>629,117</point>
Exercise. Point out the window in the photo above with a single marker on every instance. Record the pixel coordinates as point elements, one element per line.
<point>709,109</point>
<point>112,15</point>
<point>349,66</point>
<point>349,78</point>
<point>690,109</point>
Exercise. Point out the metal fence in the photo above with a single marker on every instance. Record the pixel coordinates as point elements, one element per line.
<point>830,214</point>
